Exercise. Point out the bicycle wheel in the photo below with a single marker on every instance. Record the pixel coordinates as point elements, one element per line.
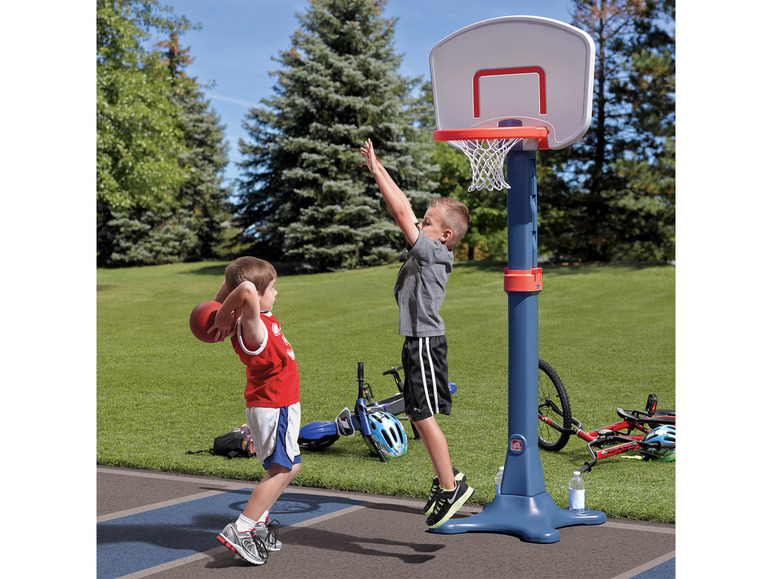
<point>553,403</point>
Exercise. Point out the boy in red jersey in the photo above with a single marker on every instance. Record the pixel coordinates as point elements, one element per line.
<point>272,397</point>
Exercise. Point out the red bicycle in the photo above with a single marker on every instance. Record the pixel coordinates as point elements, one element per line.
<point>650,431</point>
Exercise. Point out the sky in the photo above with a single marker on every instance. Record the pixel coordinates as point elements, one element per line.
<point>233,50</point>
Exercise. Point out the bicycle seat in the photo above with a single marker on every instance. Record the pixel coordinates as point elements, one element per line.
<point>627,415</point>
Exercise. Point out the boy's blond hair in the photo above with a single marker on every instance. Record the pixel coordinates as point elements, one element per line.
<point>258,271</point>
<point>455,216</point>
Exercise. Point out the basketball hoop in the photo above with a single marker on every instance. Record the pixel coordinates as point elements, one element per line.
<point>487,148</point>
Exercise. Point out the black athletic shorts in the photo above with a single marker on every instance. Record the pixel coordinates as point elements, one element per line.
<point>425,361</point>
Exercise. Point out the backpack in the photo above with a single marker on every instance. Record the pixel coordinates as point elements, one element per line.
<point>233,444</point>
<point>236,443</point>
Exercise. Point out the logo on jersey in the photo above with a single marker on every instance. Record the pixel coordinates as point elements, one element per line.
<point>277,332</point>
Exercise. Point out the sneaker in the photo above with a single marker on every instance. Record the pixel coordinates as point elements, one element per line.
<point>243,544</point>
<point>448,503</point>
<point>435,490</point>
<point>268,534</point>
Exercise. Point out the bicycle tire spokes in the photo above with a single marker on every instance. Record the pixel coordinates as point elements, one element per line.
<point>552,406</point>
<point>554,410</point>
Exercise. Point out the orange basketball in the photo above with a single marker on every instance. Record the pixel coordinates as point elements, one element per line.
<point>202,318</point>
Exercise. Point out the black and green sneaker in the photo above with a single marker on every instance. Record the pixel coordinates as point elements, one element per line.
<point>435,490</point>
<point>448,502</point>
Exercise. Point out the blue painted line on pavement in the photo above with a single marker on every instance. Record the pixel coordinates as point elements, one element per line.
<point>664,570</point>
<point>136,542</point>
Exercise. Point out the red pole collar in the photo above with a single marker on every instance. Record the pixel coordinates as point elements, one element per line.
<point>518,280</point>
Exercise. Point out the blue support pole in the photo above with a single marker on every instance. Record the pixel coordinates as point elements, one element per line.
<point>523,508</point>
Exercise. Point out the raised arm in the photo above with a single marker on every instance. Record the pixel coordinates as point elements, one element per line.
<point>222,293</point>
<point>396,201</point>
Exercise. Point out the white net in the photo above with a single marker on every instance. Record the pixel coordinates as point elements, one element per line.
<point>487,159</point>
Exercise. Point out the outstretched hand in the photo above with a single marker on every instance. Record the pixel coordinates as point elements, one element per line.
<point>368,152</point>
<point>396,201</point>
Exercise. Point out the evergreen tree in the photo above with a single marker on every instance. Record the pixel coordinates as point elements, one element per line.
<point>202,197</point>
<point>646,207</point>
<point>613,197</point>
<point>304,196</point>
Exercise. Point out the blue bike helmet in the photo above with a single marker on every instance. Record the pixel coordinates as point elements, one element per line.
<point>666,436</point>
<point>388,434</point>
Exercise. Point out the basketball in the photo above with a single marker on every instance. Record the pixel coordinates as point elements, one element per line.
<point>202,318</point>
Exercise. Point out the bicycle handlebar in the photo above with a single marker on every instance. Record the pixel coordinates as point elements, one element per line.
<point>394,372</point>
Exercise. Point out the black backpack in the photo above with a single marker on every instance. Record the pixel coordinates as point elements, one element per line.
<point>234,444</point>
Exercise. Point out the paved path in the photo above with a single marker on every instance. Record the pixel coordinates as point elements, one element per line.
<point>160,525</point>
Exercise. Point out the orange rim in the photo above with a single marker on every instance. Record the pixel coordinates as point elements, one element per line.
<point>491,133</point>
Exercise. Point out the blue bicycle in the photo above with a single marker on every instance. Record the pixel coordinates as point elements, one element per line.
<point>376,421</point>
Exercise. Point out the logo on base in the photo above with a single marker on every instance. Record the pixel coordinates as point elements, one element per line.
<point>517,444</point>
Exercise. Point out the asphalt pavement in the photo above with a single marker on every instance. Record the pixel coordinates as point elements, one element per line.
<point>161,525</point>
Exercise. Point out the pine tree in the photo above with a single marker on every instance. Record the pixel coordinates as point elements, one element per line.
<point>646,207</point>
<point>202,198</point>
<point>304,196</point>
<point>614,196</point>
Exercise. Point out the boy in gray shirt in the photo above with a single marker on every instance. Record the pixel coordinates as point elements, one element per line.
<point>419,291</point>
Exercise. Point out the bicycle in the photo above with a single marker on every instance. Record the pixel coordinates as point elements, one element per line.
<point>321,434</point>
<point>557,425</point>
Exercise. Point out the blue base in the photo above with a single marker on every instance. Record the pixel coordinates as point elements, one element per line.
<point>534,519</point>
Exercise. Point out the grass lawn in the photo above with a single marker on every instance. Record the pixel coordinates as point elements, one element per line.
<point>609,332</point>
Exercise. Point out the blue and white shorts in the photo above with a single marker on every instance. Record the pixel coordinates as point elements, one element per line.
<point>275,434</point>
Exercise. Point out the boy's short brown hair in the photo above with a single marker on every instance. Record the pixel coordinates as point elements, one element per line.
<point>258,271</point>
<point>455,216</point>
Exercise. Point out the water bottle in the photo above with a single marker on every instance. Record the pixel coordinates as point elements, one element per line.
<point>576,492</point>
<point>497,480</point>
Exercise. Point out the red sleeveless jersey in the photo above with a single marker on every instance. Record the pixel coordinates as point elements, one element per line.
<point>272,373</point>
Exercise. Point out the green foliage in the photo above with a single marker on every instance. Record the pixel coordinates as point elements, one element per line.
<point>138,137</point>
<point>160,150</point>
<point>150,238</point>
<point>202,196</point>
<point>608,331</point>
<point>304,195</point>
<point>615,196</point>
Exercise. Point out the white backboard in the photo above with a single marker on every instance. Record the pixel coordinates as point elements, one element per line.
<point>536,70</point>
